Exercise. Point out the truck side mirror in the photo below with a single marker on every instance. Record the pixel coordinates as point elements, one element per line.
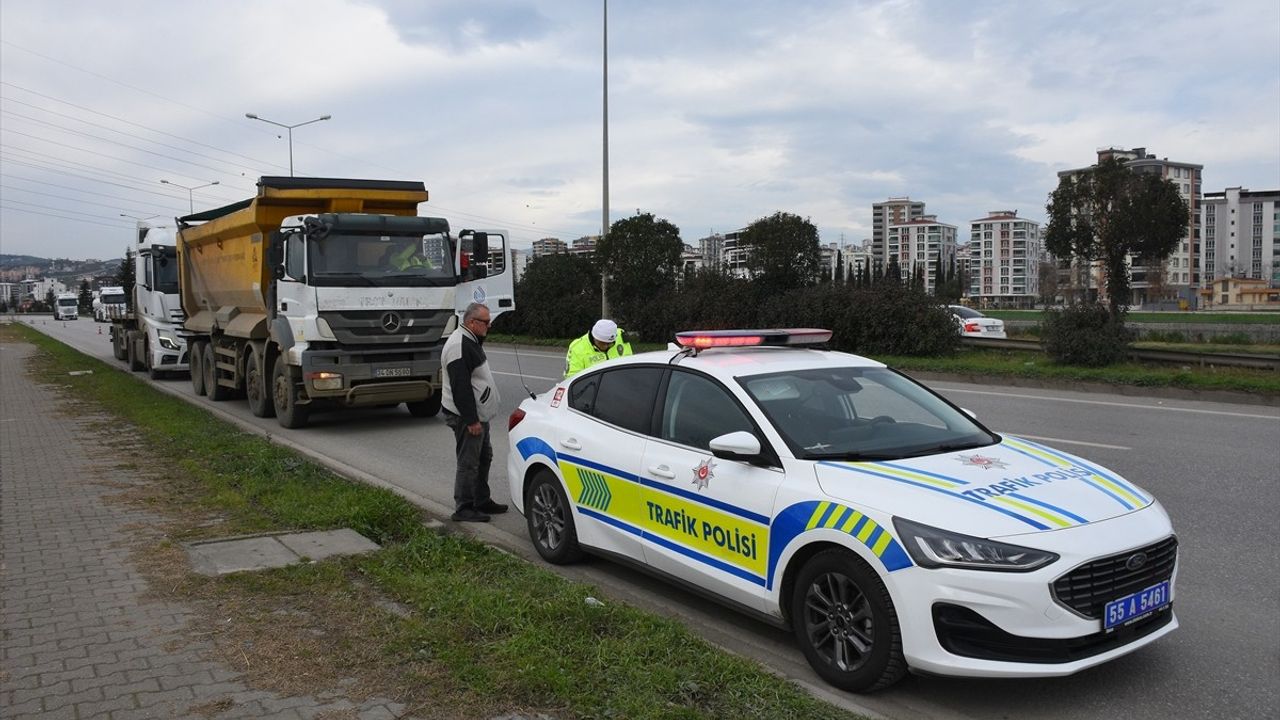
<point>480,255</point>
<point>277,272</point>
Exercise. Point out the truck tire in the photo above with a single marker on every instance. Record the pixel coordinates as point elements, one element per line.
<point>117,343</point>
<point>208,360</point>
<point>258,386</point>
<point>152,372</point>
<point>284,394</point>
<point>426,408</point>
<point>131,349</point>
<point>195,359</point>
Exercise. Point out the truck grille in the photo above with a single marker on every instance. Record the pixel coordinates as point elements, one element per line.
<point>1088,588</point>
<point>387,327</point>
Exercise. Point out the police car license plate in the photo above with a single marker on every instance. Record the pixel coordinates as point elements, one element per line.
<point>1131,607</point>
<point>392,372</point>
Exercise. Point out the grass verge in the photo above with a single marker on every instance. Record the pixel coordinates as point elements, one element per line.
<point>1024,364</point>
<point>443,624</point>
<point>1267,318</point>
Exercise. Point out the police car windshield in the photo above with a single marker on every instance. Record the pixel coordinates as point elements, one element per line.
<point>860,414</point>
<point>341,259</point>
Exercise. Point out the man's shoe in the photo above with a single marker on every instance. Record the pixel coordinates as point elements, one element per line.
<point>493,508</point>
<point>469,516</point>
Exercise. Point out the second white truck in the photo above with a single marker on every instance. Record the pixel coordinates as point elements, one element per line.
<point>146,334</point>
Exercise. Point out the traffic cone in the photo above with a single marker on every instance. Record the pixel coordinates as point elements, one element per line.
<point>99,329</point>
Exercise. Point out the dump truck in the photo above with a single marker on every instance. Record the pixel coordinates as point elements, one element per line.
<point>146,327</point>
<point>319,293</point>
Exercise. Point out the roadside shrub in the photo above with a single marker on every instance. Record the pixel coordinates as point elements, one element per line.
<point>1234,338</point>
<point>1085,335</point>
<point>888,319</point>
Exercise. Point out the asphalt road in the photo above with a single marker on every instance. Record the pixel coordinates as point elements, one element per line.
<point>1214,466</point>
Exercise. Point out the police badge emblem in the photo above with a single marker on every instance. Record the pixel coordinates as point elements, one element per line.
<point>703,472</point>
<point>983,462</point>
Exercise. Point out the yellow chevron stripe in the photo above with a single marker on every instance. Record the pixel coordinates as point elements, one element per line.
<point>881,544</point>
<point>848,525</point>
<point>866,530</point>
<point>835,516</point>
<point>909,475</point>
<point>817,515</point>
<point>1027,507</point>
<point>1137,502</point>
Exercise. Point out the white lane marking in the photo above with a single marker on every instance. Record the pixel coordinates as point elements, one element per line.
<point>526,377</point>
<point>1072,442</point>
<point>1103,402</point>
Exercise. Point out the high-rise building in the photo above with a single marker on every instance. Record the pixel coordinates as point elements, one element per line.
<point>711,248</point>
<point>549,246</point>
<point>1241,235</point>
<point>585,245</point>
<point>894,211</point>
<point>1004,260</point>
<point>923,244</point>
<point>1178,275</point>
<point>856,258</point>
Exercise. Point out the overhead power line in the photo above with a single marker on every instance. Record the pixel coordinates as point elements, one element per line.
<point>118,159</point>
<point>87,192</point>
<point>115,206</point>
<point>55,209</point>
<point>62,217</point>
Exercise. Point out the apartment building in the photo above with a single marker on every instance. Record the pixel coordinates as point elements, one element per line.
<point>1178,276</point>
<point>923,243</point>
<point>549,246</point>
<point>1004,260</point>
<point>894,211</point>
<point>1241,236</point>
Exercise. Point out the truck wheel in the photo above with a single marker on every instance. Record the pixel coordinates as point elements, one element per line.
<point>152,372</point>
<point>257,386</point>
<point>195,361</point>
<point>845,623</point>
<point>117,343</point>
<point>425,408</point>
<point>131,349</point>
<point>212,389</point>
<point>284,394</point>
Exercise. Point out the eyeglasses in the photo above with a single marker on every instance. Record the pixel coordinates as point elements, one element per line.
<point>482,322</point>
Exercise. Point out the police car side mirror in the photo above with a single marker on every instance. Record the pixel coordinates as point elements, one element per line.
<point>739,445</point>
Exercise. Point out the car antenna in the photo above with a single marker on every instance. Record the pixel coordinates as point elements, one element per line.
<point>516,348</point>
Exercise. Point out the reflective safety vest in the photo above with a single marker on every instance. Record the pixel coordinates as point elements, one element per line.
<point>583,353</point>
<point>407,258</point>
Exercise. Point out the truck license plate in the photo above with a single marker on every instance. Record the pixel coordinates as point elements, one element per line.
<point>392,372</point>
<point>1131,607</point>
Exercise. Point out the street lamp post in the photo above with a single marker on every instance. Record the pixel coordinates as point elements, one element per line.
<point>290,128</point>
<point>135,218</point>
<point>190,200</point>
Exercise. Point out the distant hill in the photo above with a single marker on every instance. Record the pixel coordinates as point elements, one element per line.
<point>60,267</point>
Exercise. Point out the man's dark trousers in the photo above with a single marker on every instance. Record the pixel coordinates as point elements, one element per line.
<point>475,455</point>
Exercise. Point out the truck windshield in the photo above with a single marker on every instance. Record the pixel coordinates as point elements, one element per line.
<point>164,274</point>
<point>380,260</point>
<point>113,299</point>
<point>67,302</point>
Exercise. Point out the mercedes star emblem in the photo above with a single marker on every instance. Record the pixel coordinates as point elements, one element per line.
<point>390,322</point>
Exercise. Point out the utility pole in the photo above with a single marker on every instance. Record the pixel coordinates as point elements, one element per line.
<point>604,212</point>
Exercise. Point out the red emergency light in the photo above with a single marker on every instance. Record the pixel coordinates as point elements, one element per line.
<point>791,337</point>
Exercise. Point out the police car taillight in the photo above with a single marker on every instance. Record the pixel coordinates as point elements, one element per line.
<point>703,339</point>
<point>516,416</point>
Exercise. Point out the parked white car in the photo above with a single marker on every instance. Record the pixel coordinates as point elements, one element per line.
<point>974,324</point>
<point>827,493</point>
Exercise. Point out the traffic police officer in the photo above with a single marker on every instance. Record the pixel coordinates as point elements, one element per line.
<point>602,343</point>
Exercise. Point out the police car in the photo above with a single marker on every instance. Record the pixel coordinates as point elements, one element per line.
<point>825,492</point>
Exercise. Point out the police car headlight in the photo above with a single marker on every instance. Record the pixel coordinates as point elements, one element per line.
<point>933,547</point>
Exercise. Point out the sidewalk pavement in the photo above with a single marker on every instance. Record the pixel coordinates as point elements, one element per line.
<point>79,638</point>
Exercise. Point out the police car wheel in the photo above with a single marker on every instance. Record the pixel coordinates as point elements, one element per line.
<point>845,623</point>
<point>550,520</point>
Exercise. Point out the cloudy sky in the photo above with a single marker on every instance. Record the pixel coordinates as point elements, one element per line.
<point>721,111</point>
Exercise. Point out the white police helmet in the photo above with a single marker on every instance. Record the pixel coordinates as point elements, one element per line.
<point>605,331</point>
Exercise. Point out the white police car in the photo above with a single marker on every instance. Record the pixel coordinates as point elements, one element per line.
<point>828,493</point>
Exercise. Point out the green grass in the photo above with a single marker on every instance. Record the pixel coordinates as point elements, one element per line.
<point>1269,318</point>
<point>487,630</point>
<point>1025,364</point>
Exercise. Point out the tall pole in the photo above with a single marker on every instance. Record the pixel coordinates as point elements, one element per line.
<point>191,203</point>
<point>604,210</point>
<point>289,128</point>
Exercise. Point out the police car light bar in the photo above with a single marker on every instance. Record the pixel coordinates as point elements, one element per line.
<point>703,339</point>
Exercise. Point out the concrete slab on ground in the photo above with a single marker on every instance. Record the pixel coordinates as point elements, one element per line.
<point>262,552</point>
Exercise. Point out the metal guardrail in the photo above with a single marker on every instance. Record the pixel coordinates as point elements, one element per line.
<point>1179,357</point>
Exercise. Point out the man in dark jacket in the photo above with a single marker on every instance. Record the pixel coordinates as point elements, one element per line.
<point>470,401</point>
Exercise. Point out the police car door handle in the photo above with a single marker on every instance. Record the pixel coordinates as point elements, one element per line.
<point>572,444</point>
<point>662,471</point>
